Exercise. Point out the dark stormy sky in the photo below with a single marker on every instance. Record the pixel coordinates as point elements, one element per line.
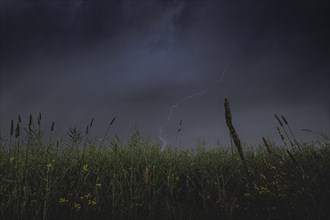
<point>74,60</point>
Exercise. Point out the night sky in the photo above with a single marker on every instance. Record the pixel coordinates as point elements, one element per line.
<point>77,60</point>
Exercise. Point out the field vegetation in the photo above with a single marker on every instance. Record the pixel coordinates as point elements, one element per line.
<point>79,178</point>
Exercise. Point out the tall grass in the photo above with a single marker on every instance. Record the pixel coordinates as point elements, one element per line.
<point>78,179</point>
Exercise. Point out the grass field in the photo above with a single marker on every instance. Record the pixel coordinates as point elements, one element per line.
<point>75,178</point>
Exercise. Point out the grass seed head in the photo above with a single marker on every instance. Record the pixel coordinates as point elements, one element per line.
<point>232,130</point>
<point>281,135</point>
<point>52,128</point>
<point>180,126</point>
<point>112,121</point>
<point>30,120</point>
<point>279,120</point>
<point>12,128</point>
<point>284,119</point>
<point>86,130</point>
<point>17,131</point>
<point>267,146</point>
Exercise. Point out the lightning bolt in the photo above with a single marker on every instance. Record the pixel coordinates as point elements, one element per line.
<point>200,93</point>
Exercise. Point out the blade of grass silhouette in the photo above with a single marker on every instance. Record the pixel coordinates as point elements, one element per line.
<point>106,133</point>
<point>200,93</point>
<point>88,130</point>
<point>318,134</point>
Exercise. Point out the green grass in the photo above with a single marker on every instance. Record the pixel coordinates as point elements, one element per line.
<point>77,177</point>
<point>136,180</point>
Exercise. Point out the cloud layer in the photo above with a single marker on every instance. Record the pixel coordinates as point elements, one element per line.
<point>81,59</point>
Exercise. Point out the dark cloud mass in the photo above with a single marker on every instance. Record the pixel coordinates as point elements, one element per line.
<point>74,60</point>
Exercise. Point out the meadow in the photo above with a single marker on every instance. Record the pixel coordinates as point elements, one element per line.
<point>77,177</point>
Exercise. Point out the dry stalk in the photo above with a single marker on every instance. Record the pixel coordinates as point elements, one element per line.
<point>106,133</point>
<point>281,135</point>
<point>294,137</point>
<point>234,134</point>
<point>286,133</point>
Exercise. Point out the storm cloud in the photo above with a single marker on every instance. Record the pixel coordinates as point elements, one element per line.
<point>74,60</point>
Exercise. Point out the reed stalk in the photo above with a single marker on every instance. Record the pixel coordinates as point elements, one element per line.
<point>286,133</point>
<point>106,133</point>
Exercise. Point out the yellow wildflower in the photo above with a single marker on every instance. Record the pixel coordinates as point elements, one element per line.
<point>85,168</point>
<point>49,167</point>
<point>76,206</point>
<point>247,195</point>
<point>87,195</point>
<point>263,190</point>
<point>98,185</point>
<point>177,178</point>
<point>63,200</point>
<point>91,202</point>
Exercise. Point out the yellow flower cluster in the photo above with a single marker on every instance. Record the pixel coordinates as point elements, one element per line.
<point>89,199</point>
<point>91,202</point>
<point>76,206</point>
